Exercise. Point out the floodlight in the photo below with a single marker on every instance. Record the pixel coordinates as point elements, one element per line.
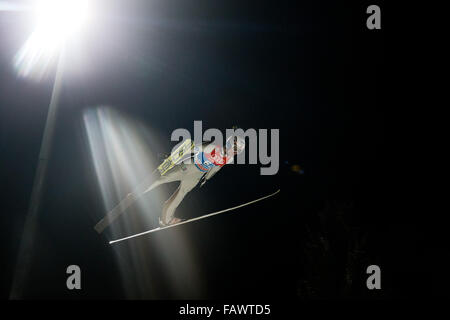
<point>56,22</point>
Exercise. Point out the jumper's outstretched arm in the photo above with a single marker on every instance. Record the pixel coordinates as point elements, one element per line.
<point>210,174</point>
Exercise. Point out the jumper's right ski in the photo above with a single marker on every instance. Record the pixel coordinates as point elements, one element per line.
<point>193,219</point>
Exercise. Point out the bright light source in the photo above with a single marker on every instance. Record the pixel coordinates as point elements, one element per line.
<point>59,18</point>
<point>56,22</point>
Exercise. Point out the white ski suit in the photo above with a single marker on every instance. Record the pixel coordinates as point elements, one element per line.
<point>200,168</point>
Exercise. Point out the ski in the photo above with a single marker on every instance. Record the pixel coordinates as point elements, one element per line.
<point>193,219</point>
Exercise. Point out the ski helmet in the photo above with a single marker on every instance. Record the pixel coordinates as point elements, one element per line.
<point>235,143</point>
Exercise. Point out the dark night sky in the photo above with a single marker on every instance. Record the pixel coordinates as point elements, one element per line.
<point>309,68</point>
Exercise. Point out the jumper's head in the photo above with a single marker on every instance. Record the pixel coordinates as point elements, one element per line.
<point>235,145</point>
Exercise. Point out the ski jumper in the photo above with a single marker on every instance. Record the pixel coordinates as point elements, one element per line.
<point>205,163</point>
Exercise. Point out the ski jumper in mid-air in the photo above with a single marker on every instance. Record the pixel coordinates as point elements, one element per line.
<point>200,166</point>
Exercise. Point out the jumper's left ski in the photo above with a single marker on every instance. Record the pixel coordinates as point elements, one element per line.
<point>193,219</point>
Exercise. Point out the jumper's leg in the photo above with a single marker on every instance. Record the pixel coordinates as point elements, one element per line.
<point>168,211</point>
<point>118,210</point>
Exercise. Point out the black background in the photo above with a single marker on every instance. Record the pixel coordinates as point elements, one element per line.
<point>310,68</point>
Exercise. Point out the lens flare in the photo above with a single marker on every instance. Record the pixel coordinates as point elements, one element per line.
<point>56,22</point>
